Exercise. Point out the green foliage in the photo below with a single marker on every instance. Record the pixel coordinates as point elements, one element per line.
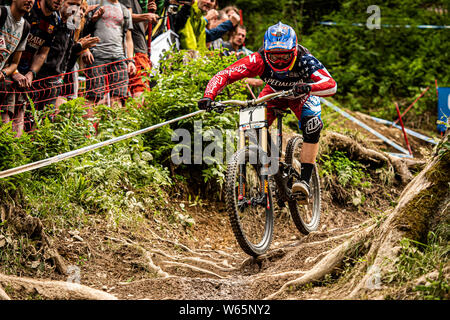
<point>373,68</point>
<point>418,259</point>
<point>98,182</point>
<point>348,173</point>
<point>180,85</point>
<point>120,180</point>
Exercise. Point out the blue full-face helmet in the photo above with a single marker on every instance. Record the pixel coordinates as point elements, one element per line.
<point>280,47</point>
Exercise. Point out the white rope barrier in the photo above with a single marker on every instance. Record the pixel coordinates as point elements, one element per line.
<point>404,152</point>
<point>74,153</point>
<point>71,154</point>
<point>407,26</point>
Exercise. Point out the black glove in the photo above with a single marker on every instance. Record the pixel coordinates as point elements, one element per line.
<point>301,88</point>
<point>205,104</point>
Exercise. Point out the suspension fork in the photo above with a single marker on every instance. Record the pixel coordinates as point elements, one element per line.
<point>242,168</point>
<point>264,171</point>
<point>279,135</point>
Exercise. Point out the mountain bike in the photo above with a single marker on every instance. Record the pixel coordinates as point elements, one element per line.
<point>248,191</point>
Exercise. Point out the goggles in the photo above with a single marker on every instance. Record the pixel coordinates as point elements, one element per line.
<point>280,57</point>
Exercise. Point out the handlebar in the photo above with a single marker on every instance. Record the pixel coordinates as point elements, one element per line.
<point>252,102</point>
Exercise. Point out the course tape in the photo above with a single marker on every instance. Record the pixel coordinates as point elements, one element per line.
<point>408,131</point>
<point>405,153</point>
<point>71,154</point>
<point>423,26</point>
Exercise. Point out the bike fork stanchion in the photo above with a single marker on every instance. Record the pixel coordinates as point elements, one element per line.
<point>242,166</point>
<point>265,167</point>
<point>280,135</point>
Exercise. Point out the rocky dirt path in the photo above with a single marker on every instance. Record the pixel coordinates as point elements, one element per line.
<point>206,262</point>
<point>187,250</point>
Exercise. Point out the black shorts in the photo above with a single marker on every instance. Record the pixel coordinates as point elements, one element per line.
<point>105,76</point>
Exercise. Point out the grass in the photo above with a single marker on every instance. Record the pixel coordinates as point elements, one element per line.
<point>418,259</point>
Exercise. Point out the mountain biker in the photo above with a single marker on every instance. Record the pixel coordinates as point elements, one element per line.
<point>283,64</point>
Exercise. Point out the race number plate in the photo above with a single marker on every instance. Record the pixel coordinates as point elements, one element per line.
<point>252,118</point>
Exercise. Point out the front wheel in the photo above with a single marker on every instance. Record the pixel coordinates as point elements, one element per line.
<point>249,202</point>
<point>306,216</point>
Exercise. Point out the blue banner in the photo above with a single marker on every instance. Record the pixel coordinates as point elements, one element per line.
<point>443,108</point>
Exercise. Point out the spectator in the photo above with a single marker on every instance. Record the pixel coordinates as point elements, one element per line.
<point>71,79</point>
<point>193,34</point>
<point>230,9</point>
<point>214,23</point>
<point>110,62</point>
<point>14,31</point>
<point>236,42</point>
<point>43,20</point>
<point>215,32</point>
<point>141,21</point>
<point>174,13</point>
<point>62,55</point>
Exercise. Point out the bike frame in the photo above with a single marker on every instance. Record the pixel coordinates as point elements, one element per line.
<point>264,141</point>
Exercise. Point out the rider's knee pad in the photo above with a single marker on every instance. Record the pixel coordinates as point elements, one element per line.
<point>311,127</point>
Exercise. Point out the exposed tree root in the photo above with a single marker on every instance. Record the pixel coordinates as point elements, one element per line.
<point>54,290</point>
<point>23,223</point>
<point>327,265</point>
<point>209,263</point>
<point>374,158</point>
<point>193,268</point>
<point>219,252</point>
<point>301,243</point>
<point>151,264</point>
<point>424,199</point>
<point>147,255</point>
<point>182,246</point>
<point>3,295</point>
<point>408,220</point>
<point>281,275</point>
<point>176,261</point>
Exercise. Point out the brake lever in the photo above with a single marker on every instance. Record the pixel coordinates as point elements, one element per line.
<point>288,93</point>
<point>218,107</point>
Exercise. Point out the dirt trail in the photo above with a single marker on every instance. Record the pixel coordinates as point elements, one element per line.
<point>165,258</point>
<point>205,262</point>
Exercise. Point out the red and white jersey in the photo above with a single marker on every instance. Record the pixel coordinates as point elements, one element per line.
<point>307,69</point>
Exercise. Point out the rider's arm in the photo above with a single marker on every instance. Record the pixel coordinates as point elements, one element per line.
<point>247,67</point>
<point>324,85</point>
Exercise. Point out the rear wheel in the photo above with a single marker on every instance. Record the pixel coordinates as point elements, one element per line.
<point>306,214</point>
<point>249,202</point>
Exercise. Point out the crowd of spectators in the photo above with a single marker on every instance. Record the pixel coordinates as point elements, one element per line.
<point>46,46</point>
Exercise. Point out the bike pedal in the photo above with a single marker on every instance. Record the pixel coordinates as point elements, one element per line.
<point>301,198</point>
